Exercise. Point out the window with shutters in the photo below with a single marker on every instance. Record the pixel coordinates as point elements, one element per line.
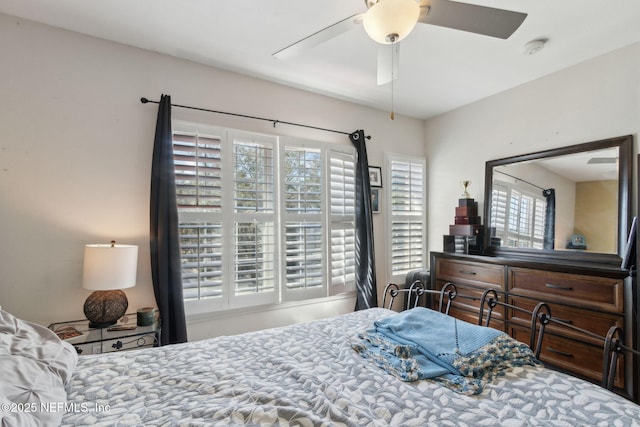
<point>342,237</point>
<point>262,219</point>
<point>303,246</point>
<point>406,210</point>
<point>519,215</point>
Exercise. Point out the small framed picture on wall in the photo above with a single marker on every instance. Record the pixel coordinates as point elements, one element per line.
<point>375,200</point>
<point>375,176</point>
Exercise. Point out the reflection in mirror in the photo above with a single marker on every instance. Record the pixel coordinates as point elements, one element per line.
<point>572,200</point>
<point>564,202</point>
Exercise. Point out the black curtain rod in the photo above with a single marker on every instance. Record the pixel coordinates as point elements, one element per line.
<point>275,122</point>
<point>520,179</point>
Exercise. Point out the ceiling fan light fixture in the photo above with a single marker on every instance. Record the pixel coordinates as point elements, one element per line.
<point>389,21</point>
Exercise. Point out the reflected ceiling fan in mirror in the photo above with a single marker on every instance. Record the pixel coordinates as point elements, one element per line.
<point>389,21</point>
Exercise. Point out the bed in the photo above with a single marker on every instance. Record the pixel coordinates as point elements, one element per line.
<point>307,374</point>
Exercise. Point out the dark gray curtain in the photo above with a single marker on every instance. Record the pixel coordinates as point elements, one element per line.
<point>550,218</point>
<point>164,234</point>
<point>367,295</point>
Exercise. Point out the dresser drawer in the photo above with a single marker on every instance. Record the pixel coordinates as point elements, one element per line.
<point>468,300</point>
<point>594,322</point>
<point>472,317</point>
<point>572,356</point>
<point>593,292</point>
<point>475,273</point>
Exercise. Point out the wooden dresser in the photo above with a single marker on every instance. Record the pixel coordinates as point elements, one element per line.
<point>591,297</point>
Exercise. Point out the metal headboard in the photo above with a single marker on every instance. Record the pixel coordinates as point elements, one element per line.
<point>613,342</point>
<point>414,292</point>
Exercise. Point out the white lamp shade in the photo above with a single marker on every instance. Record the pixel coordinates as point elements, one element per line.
<point>388,17</point>
<point>109,267</point>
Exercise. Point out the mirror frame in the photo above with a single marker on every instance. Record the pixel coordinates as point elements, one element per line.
<point>625,166</point>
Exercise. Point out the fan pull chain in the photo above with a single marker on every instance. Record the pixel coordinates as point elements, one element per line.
<point>392,115</point>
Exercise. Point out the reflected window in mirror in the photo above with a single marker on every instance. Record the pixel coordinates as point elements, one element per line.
<point>541,201</point>
<point>518,218</point>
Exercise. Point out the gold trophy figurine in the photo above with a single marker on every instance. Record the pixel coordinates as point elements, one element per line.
<point>465,185</point>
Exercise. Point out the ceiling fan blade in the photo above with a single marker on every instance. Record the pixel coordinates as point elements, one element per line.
<point>472,18</point>
<point>321,36</point>
<point>388,59</point>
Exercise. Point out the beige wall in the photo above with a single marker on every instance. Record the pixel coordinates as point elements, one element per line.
<point>596,215</point>
<point>75,160</point>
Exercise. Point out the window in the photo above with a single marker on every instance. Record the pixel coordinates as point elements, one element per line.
<point>342,193</point>
<point>303,206</point>
<point>518,216</point>
<point>262,219</point>
<point>406,208</point>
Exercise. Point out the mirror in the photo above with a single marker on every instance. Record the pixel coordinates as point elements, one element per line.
<point>570,202</point>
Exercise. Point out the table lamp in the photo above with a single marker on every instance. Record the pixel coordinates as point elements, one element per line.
<point>108,269</point>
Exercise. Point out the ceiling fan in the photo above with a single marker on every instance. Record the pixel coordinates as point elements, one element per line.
<point>389,21</point>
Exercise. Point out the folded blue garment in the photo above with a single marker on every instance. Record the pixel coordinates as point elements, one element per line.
<point>440,337</point>
<point>425,344</point>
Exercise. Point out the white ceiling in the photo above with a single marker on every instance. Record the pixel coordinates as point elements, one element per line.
<point>440,69</point>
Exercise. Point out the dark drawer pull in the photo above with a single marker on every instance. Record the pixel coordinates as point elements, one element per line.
<point>562,288</point>
<point>561,353</point>
<point>470,273</point>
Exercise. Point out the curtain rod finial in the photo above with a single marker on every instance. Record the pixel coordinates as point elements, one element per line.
<point>144,100</point>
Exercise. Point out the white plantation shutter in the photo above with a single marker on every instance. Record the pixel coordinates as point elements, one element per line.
<point>197,164</point>
<point>254,267</point>
<point>254,238</point>
<point>303,255</point>
<point>253,176</point>
<point>302,180</point>
<point>262,221</point>
<point>406,245</point>
<point>201,255</point>
<point>518,216</point>
<point>525,204</point>
<point>406,199</point>
<point>342,174</point>
<point>342,189</point>
<point>303,228</point>
<point>539,220</point>
<point>499,208</point>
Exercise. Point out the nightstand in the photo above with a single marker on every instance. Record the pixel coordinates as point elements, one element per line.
<point>124,335</point>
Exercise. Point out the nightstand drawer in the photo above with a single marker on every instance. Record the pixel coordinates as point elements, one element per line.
<point>600,293</point>
<point>128,343</point>
<point>118,344</point>
<point>125,335</point>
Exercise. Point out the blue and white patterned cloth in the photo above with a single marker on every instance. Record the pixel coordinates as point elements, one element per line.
<point>424,344</point>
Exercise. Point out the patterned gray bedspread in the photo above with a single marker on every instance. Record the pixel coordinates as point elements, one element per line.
<point>308,375</point>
